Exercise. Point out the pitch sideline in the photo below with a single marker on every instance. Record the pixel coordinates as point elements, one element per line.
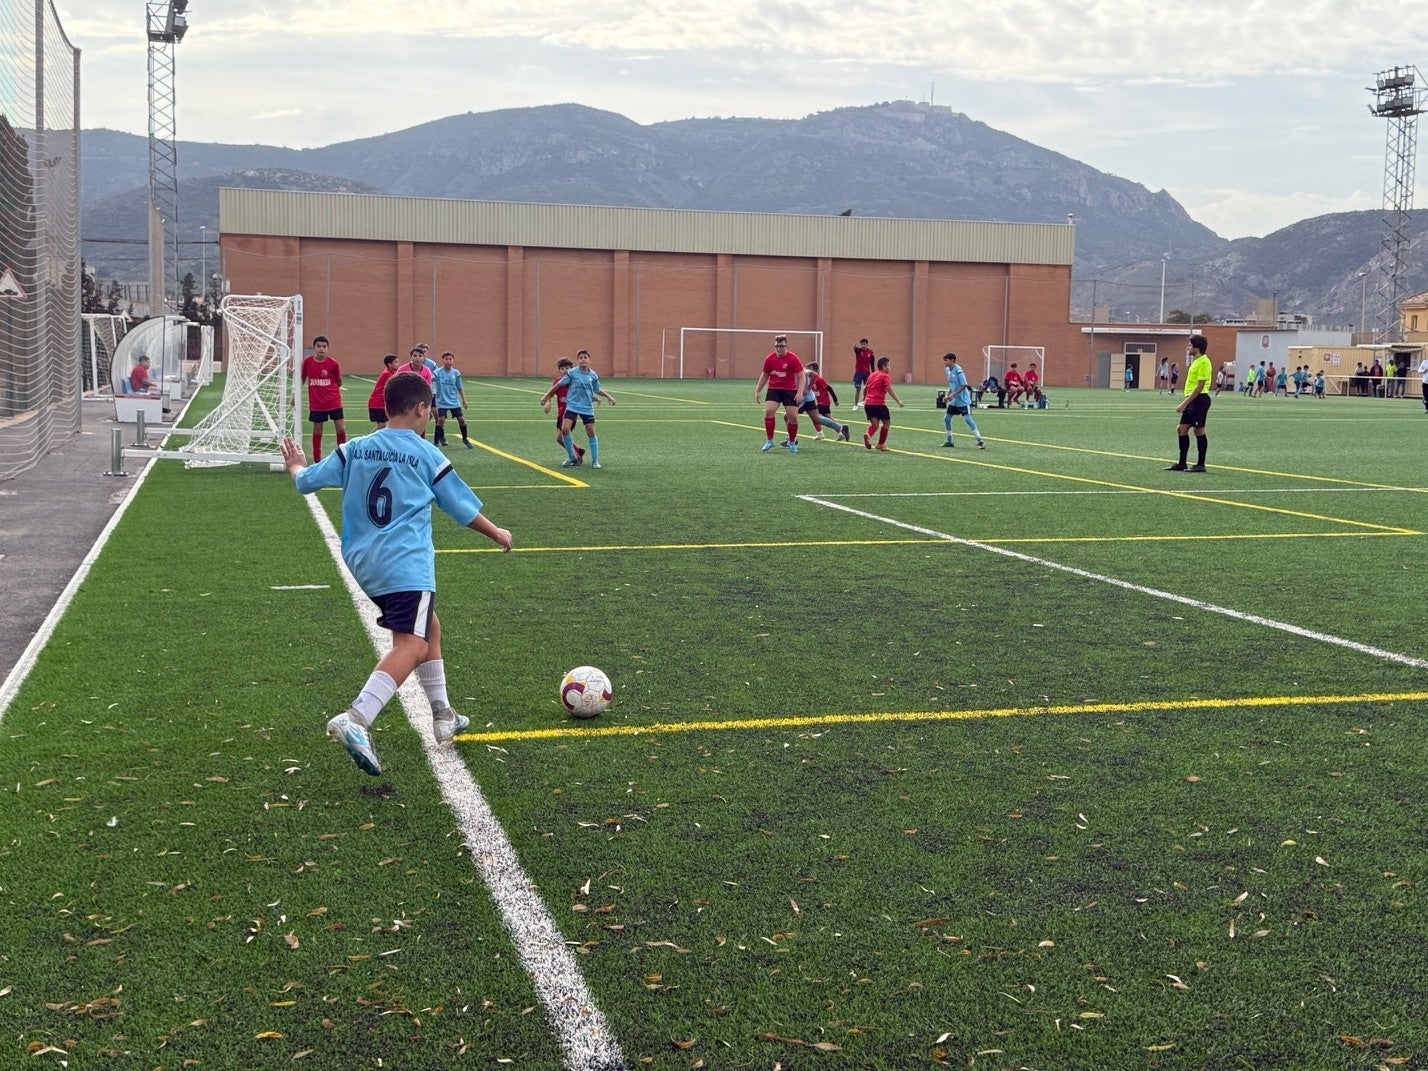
<point>580,1026</point>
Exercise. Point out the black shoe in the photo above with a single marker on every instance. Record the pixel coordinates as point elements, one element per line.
<point>1196,468</point>
<point>1179,466</point>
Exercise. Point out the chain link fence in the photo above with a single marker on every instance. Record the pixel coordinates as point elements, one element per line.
<point>40,374</point>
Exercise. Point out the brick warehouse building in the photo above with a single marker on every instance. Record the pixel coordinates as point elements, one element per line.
<point>510,287</point>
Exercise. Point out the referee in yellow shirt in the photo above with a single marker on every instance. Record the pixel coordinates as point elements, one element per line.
<point>1196,406</point>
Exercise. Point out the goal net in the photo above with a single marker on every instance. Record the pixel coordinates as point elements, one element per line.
<point>261,400</point>
<point>102,332</point>
<point>729,352</point>
<point>1000,358</point>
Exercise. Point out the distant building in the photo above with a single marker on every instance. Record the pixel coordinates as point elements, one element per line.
<point>511,287</point>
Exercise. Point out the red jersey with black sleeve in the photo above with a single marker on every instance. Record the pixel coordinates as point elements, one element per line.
<point>1030,379</point>
<point>875,391</point>
<point>822,393</point>
<point>324,384</point>
<point>862,359</point>
<point>560,393</point>
<point>783,370</point>
<point>377,399</point>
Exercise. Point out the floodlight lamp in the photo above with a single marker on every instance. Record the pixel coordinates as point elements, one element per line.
<point>180,6</point>
<point>177,24</point>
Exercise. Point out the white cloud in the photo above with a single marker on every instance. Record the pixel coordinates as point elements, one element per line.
<point>1259,100</point>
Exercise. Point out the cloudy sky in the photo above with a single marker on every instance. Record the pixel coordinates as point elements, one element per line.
<point>1252,113</point>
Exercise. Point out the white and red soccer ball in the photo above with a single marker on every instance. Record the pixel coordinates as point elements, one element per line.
<point>585,691</point>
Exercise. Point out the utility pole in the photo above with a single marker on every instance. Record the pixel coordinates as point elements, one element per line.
<point>167,23</point>
<point>1398,99</point>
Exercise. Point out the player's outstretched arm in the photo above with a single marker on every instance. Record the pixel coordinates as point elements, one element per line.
<point>293,457</point>
<point>500,536</point>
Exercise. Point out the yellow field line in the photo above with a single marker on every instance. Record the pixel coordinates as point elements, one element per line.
<point>813,721</point>
<point>1189,495</point>
<point>531,464</point>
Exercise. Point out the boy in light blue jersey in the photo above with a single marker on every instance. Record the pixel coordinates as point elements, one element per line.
<point>389,480</point>
<point>584,388</point>
<point>450,399</point>
<point>959,400</point>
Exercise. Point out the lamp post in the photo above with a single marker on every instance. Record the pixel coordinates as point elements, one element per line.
<point>1363,300</point>
<point>203,278</point>
<point>1163,260</point>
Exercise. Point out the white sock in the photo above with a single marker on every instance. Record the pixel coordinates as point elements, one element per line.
<point>375,694</point>
<point>432,676</point>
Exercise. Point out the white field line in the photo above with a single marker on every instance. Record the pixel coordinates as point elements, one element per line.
<point>1148,491</point>
<point>579,1025</point>
<point>32,650</point>
<point>1170,596</point>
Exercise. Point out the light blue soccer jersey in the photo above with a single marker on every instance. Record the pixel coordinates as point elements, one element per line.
<point>583,388</point>
<point>389,480</point>
<point>447,387</point>
<point>956,385</point>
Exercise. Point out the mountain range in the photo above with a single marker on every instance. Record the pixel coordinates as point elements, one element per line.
<point>892,159</point>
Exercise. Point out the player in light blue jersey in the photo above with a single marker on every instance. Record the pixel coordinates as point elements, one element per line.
<point>584,388</point>
<point>389,480</point>
<point>959,400</point>
<point>450,399</point>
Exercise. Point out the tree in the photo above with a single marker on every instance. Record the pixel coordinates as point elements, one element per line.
<point>89,299</point>
<point>1180,316</point>
<point>189,288</point>
<point>112,297</point>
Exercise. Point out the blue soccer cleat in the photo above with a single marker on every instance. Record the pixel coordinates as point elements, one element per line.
<point>347,732</point>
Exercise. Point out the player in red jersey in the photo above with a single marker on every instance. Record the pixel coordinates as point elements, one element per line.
<point>565,364</point>
<point>817,401</point>
<point>876,393</point>
<point>1014,385</point>
<point>783,373</point>
<point>377,400</point>
<point>323,377</point>
<point>1031,387</point>
<point>862,369</point>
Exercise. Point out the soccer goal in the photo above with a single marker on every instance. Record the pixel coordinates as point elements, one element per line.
<point>261,397</point>
<point>102,332</point>
<point>729,352</point>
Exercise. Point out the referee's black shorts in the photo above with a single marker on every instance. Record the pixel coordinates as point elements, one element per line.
<point>1196,412</point>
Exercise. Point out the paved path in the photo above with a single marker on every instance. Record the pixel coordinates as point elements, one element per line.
<point>50,517</point>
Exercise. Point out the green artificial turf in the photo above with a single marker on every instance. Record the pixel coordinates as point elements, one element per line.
<point>871,794</point>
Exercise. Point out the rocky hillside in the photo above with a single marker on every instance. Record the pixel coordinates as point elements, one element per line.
<point>893,159</point>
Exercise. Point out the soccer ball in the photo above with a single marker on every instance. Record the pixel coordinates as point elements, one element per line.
<point>585,691</point>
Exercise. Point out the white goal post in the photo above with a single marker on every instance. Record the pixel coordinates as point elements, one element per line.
<point>729,352</point>
<point>999,358</point>
<point>262,400</point>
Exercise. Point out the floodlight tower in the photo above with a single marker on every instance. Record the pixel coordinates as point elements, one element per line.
<point>1397,98</point>
<point>167,23</point>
